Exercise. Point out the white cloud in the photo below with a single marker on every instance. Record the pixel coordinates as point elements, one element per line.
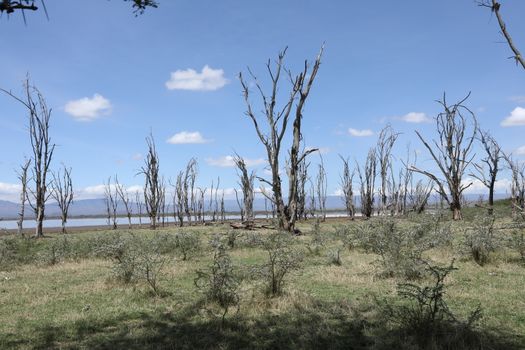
<point>208,79</point>
<point>98,191</point>
<point>520,151</point>
<point>228,161</point>
<point>10,192</point>
<point>360,133</point>
<point>416,117</point>
<point>185,137</point>
<point>137,156</point>
<point>88,109</point>
<point>516,117</point>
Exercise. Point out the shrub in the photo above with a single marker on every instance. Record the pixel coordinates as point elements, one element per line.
<point>518,243</point>
<point>232,236</point>
<point>318,240</point>
<point>334,257</point>
<point>426,316</point>
<point>481,241</point>
<point>219,283</point>
<point>57,251</point>
<point>187,244</point>
<point>282,260</point>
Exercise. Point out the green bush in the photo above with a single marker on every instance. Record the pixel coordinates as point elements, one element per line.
<point>482,240</point>
<point>187,244</point>
<point>219,282</point>
<point>425,316</point>
<point>283,258</point>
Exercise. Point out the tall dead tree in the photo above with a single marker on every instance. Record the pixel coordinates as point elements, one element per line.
<point>347,188</point>
<point>180,198</point>
<point>321,185</point>
<point>385,143</point>
<point>188,187</point>
<point>302,180</point>
<point>495,7</point>
<point>246,180</point>
<point>111,199</point>
<point>492,157</point>
<point>62,192</point>
<point>123,194</point>
<point>42,149</point>
<point>138,203</point>
<point>452,152</point>
<point>517,170</point>
<point>22,176</point>
<point>152,187</point>
<point>277,119</point>
<point>367,180</point>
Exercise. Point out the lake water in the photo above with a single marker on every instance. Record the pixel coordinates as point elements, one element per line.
<point>121,221</point>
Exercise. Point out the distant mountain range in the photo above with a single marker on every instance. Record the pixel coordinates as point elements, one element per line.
<point>97,207</point>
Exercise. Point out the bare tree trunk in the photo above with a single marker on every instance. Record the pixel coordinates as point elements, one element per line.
<point>124,198</point>
<point>385,143</point>
<point>111,203</point>
<point>246,181</point>
<point>493,155</point>
<point>452,153</point>
<point>62,192</point>
<point>277,121</point>
<point>347,188</point>
<point>42,148</point>
<point>152,188</point>
<point>138,202</point>
<point>321,187</point>
<point>367,178</point>
<point>22,176</point>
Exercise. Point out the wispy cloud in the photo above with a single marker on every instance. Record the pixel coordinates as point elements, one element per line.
<point>416,117</point>
<point>228,161</point>
<point>88,109</point>
<point>208,79</point>
<point>9,192</point>
<point>516,117</point>
<point>360,133</point>
<point>520,151</point>
<point>187,137</point>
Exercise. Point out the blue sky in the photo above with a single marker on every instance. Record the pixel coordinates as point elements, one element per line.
<point>112,77</point>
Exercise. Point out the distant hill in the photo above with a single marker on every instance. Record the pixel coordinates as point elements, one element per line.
<point>97,207</point>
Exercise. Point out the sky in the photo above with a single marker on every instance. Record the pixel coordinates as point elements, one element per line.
<point>112,78</point>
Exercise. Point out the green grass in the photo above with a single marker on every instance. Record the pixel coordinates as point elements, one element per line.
<point>76,304</point>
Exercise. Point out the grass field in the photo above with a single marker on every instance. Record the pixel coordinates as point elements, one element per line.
<point>51,299</point>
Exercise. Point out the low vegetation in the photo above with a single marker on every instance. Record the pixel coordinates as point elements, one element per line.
<point>378,284</point>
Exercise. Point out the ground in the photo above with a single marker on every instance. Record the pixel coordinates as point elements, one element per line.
<point>75,302</point>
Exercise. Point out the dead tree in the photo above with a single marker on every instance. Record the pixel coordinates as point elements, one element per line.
<point>347,188</point>
<point>22,176</point>
<point>240,204</point>
<point>277,123</point>
<point>517,170</point>
<point>123,194</point>
<point>452,152</point>
<point>62,192</point>
<point>492,157</point>
<point>161,215</point>
<point>111,199</point>
<point>246,180</point>
<point>138,203</point>
<point>321,188</point>
<point>367,179</point>
<point>152,187</point>
<point>42,149</point>
<point>495,8</point>
<point>188,187</point>
<point>200,205</point>
<point>385,143</point>
<point>181,198</point>
<point>302,180</point>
